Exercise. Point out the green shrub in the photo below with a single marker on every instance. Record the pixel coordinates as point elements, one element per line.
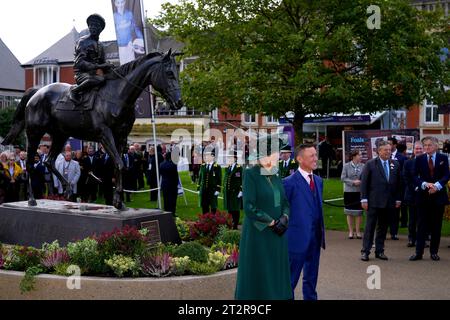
<point>194,250</point>
<point>198,268</point>
<point>46,247</point>
<point>127,241</point>
<point>218,260</point>
<point>229,236</point>
<point>85,254</point>
<point>29,280</point>
<point>21,258</point>
<point>61,269</point>
<point>183,229</point>
<point>122,266</point>
<point>180,265</point>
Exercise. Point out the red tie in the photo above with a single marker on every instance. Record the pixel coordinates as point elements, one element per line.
<point>431,166</point>
<point>311,182</point>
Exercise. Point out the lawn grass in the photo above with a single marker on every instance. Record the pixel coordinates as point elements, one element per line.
<point>334,216</point>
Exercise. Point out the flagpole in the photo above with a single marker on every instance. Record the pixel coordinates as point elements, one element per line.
<point>152,107</point>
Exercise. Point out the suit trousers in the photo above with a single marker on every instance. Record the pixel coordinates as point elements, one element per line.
<point>309,263</point>
<point>170,200</point>
<point>377,219</point>
<point>394,220</point>
<point>206,205</point>
<point>429,219</point>
<point>412,223</point>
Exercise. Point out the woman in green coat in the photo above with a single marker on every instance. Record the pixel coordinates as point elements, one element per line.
<point>263,269</point>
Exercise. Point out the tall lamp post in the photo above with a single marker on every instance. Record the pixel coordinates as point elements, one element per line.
<point>152,106</point>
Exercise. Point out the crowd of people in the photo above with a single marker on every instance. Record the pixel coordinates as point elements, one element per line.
<point>89,172</point>
<point>398,191</point>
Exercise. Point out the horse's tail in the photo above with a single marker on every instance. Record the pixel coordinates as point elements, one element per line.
<point>19,118</point>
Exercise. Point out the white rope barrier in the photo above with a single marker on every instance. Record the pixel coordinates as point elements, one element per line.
<point>141,191</point>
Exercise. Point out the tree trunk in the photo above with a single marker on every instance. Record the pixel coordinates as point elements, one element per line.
<point>299,119</point>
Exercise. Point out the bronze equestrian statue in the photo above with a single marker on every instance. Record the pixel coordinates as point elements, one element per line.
<point>107,114</point>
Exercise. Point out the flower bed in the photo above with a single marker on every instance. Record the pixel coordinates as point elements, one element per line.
<point>126,253</point>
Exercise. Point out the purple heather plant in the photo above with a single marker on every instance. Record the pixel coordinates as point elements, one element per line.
<point>55,258</point>
<point>233,259</point>
<point>156,266</point>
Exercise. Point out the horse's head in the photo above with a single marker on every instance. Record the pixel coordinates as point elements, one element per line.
<point>167,83</point>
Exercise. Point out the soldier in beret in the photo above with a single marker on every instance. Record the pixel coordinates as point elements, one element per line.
<point>210,183</point>
<point>232,190</point>
<point>287,166</point>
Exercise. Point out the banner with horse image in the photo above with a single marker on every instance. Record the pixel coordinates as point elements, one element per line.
<point>129,26</point>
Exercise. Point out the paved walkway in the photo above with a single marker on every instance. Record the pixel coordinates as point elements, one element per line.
<point>343,276</point>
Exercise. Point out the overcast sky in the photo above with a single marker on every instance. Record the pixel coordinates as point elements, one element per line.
<point>28,27</point>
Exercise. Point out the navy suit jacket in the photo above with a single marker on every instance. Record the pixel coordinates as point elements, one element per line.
<point>441,175</point>
<point>302,204</point>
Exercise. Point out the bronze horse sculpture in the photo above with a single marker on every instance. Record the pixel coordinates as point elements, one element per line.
<point>109,121</point>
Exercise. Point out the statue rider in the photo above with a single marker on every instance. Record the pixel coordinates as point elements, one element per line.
<point>90,64</point>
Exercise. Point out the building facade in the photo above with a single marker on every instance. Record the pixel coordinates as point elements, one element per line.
<point>12,83</point>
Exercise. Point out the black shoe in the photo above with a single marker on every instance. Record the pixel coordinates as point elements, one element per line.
<point>415,257</point>
<point>394,238</point>
<point>435,257</point>
<point>381,256</point>
<point>365,257</point>
<point>410,244</point>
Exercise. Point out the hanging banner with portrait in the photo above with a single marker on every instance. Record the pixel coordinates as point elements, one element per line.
<point>129,26</point>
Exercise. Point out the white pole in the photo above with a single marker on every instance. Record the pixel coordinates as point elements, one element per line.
<point>152,107</point>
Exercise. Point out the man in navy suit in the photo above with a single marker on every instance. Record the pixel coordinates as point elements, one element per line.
<point>431,175</point>
<point>380,196</point>
<point>306,232</point>
<point>397,150</point>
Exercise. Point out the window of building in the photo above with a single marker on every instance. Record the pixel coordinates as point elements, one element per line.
<point>8,101</point>
<point>249,118</point>
<point>271,119</point>
<point>45,74</point>
<point>431,112</point>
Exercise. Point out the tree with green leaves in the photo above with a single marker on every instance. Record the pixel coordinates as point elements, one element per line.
<point>6,119</point>
<point>308,57</point>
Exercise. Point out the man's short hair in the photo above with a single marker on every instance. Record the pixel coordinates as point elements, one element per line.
<point>302,147</point>
<point>382,144</point>
<point>430,138</point>
<point>393,140</point>
<point>401,147</point>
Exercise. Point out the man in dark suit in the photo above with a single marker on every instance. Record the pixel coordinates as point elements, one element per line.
<point>410,195</point>
<point>128,176</point>
<point>286,165</point>
<point>232,189</point>
<point>306,232</point>
<point>106,174</point>
<point>210,183</point>
<point>90,167</point>
<point>397,153</point>
<point>431,175</point>
<point>381,195</point>
<point>169,183</point>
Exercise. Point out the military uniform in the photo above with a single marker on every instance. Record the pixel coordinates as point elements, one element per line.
<point>210,182</point>
<point>232,187</point>
<point>286,171</point>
